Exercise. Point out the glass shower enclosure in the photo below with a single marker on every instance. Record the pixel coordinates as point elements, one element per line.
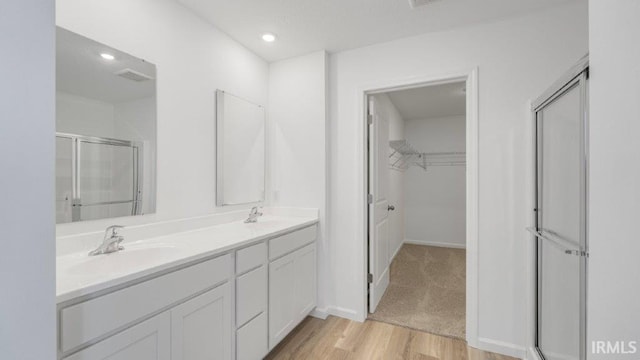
<point>560,216</point>
<point>96,178</point>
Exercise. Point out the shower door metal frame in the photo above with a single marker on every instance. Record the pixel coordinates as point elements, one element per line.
<point>76,203</point>
<point>577,76</point>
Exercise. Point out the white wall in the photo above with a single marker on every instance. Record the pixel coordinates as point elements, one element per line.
<point>614,175</point>
<point>297,145</point>
<point>435,199</point>
<point>27,217</point>
<point>517,59</point>
<point>193,59</point>
<point>396,183</point>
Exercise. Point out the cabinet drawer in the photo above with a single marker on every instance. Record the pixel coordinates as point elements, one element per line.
<point>287,243</point>
<point>251,292</point>
<point>251,257</point>
<point>251,341</point>
<point>96,317</point>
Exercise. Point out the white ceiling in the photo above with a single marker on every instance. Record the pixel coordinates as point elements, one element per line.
<point>430,102</point>
<point>81,71</point>
<point>304,26</point>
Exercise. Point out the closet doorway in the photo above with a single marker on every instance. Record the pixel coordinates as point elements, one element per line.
<point>417,207</point>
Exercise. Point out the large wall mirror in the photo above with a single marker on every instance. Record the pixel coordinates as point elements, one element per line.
<point>105,131</point>
<point>240,150</point>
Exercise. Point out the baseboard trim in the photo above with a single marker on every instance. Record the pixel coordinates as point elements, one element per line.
<point>532,354</point>
<point>396,252</point>
<point>434,243</point>
<point>502,347</point>
<point>321,314</point>
<point>343,313</point>
<point>551,355</point>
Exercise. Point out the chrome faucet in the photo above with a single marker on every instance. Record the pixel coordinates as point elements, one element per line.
<point>253,215</point>
<point>111,241</point>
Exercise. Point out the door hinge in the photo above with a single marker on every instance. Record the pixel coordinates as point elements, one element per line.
<point>370,278</point>
<point>370,119</point>
<point>370,198</point>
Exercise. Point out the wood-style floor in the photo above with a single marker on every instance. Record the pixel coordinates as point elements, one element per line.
<point>338,339</point>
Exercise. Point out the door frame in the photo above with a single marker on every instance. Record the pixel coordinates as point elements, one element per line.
<point>470,77</point>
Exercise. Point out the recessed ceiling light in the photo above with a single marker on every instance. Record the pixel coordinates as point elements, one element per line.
<point>269,37</point>
<point>107,56</point>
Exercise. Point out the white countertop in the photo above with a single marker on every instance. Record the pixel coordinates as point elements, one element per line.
<point>78,274</point>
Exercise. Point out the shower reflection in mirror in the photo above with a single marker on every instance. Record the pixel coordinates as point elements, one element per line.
<point>105,131</point>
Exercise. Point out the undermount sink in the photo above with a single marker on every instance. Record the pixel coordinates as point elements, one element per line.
<point>126,258</point>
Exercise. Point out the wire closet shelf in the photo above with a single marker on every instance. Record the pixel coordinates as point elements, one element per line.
<point>402,156</point>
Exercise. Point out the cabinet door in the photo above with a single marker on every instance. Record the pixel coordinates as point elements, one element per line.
<point>282,304</point>
<point>305,282</point>
<point>149,340</point>
<point>201,328</point>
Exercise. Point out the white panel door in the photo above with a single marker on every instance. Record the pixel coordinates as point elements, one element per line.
<point>378,207</point>
<point>149,340</point>
<point>201,328</point>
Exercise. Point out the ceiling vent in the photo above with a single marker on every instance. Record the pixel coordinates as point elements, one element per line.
<point>133,75</point>
<point>415,3</point>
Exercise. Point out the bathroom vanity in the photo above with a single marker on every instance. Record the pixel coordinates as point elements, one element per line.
<point>211,287</point>
<point>229,291</point>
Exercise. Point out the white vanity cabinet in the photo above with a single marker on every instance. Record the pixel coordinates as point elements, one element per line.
<point>251,302</point>
<point>237,305</point>
<point>201,327</point>
<point>292,282</point>
<point>196,300</point>
<point>149,340</point>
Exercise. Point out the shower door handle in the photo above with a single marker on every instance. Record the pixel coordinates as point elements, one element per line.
<point>564,245</point>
